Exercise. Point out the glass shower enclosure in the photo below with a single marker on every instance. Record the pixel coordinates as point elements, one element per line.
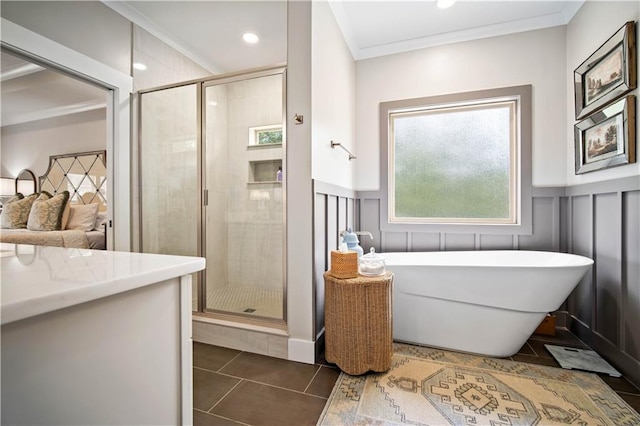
<point>212,184</point>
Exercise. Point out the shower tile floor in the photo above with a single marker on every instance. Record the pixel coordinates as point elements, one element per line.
<point>246,300</point>
<point>232,387</point>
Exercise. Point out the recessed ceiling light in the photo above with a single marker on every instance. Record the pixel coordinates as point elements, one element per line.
<point>139,66</point>
<point>250,38</point>
<point>443,4</point>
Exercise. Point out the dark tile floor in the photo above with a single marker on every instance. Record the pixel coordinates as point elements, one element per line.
<point>233,387</point>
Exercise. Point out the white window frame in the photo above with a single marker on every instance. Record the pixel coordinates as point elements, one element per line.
<point>522,215</point>
<point>254,134</point>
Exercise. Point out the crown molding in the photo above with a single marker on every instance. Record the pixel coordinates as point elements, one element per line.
<point>531,24</point>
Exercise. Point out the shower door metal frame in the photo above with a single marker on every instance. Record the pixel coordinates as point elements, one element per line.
<point>201,85</point>
<point>216,81</point>
<point>198,276</point>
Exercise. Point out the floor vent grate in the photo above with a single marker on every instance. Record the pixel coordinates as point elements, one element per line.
<point>581,359</point>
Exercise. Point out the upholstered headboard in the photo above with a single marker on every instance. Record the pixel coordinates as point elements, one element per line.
<point>83,174</point>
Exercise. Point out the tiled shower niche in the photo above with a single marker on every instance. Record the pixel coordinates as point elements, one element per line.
<point>264,171</point>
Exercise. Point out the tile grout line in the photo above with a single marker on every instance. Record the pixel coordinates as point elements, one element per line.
<point>532,349</point>
<point>287,389</point>
<point>312,379</point>
<point>224,396</point>
<point>257,382</point>
<point>278,387</point>
<point>231,360</point>
<point>222,417</point>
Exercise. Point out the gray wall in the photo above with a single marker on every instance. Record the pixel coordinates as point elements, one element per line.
<point>598,220</point>
<point>334,210</point>
<point>29,145</point>
<point>88,27</point>
<point>601,221</point>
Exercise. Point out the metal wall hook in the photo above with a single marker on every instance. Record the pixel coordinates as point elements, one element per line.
<point>351,156</point>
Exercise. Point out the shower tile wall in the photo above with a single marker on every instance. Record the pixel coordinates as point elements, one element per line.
<point>255,255</point>
<point>165,65</point>
<point>169,172</point>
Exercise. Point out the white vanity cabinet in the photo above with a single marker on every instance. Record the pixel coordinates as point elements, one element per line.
<point>95,337</point>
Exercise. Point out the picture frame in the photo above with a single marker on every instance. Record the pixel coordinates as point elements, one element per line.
<point>610,72</point>
<point>607,138</point>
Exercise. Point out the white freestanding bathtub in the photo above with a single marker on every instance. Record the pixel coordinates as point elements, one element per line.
<point>483,302</point>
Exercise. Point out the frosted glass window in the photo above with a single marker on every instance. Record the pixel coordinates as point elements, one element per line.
<point>454,163</point>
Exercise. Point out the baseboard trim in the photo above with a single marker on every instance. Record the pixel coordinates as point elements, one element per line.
<point>302,351</point>
<point>628,366</point>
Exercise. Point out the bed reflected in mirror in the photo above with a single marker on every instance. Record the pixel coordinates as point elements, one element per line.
<point>25,253</point>
<point>84,175</point>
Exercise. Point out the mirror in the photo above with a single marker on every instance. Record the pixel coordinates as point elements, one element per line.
<point>26,182</point>
<point>83,174</point>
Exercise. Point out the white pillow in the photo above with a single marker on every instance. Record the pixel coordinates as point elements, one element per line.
<point>82,216</point>
<point>101,219</point>
<point>65,214</point>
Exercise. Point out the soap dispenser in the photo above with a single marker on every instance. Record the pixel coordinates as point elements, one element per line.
<point>350,238</point>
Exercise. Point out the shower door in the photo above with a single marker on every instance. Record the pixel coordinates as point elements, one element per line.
<point>212,173</point>
<point>169,167</point>
<point>243,179</point>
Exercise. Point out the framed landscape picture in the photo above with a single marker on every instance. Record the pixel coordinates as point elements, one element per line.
<point>608,73</point>
<point>607,138</point>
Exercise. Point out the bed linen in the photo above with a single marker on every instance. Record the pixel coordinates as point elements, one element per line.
<point>67,238</point>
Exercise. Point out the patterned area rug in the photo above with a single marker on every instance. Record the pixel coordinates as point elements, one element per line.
<point>426,386</point>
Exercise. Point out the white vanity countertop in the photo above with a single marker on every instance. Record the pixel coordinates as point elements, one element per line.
<point>37,279</point>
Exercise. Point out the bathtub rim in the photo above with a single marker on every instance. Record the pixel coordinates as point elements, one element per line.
<point>515,257</point>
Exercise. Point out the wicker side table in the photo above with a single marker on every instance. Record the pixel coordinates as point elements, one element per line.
<point>358,323</point>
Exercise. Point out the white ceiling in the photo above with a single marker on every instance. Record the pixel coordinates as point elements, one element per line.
<point>209,32</point>
<point>377,28</point>
<point>30,92</point>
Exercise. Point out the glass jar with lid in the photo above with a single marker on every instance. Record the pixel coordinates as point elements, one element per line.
<point>372,264</point>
